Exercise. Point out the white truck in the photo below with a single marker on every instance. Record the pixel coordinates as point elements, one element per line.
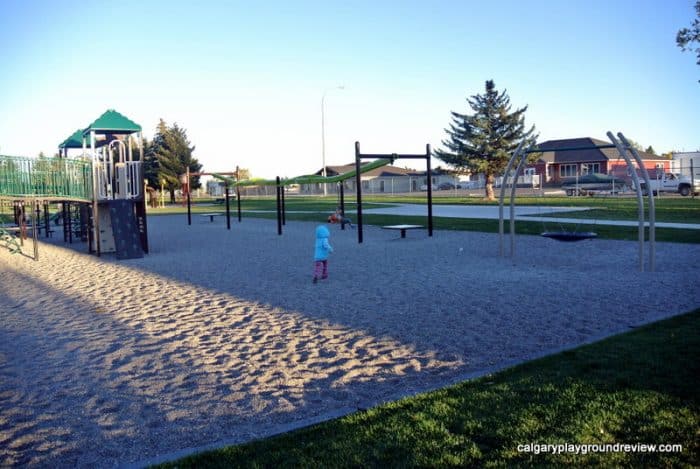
<point>673,182</point>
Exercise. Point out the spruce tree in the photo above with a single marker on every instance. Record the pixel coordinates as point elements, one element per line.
<point>484,141</point>
<point>171,153</point>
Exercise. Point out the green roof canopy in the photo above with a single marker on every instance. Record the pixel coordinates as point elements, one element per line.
<point>112,122</point>
<point>74,141</point>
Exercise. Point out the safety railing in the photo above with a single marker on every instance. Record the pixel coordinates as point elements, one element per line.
<point>119,180</point>
<point>45,177</point>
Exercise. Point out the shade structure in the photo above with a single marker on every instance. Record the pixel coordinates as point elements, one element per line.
<point>113,122</point>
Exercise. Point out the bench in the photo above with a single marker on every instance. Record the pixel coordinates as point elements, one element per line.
<point>403,228</point>
<point>211,215</point>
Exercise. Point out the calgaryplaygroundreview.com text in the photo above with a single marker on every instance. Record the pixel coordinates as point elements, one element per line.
<point>563,448</point>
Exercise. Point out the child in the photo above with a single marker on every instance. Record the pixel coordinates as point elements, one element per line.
<point>323,248</point>
<point>338,217</point>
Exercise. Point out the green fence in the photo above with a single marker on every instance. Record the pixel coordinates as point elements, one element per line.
<point>45,177</point>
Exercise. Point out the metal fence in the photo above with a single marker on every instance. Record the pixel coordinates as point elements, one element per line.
<point>45,177</point>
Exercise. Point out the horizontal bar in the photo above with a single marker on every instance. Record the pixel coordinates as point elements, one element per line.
<point>393,156</point>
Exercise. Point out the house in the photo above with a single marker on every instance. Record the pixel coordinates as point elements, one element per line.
<point>560,166</point>
<point>686,163</point>
<point>386,179</point>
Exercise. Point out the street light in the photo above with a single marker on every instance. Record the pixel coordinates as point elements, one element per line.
<point>323,132</point>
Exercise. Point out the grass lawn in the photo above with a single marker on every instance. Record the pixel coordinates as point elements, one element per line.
<point>640,387</point>
<point>669,209</point>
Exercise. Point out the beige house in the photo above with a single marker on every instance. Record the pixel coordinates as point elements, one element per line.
<point>385,180</point>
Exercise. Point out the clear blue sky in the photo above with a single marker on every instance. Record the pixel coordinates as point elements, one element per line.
<point>245,79</point>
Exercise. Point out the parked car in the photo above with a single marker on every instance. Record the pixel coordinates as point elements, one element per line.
<point>446,186</point>
<point>467,185</point>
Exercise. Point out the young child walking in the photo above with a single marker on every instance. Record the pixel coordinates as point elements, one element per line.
<point>323,248</point>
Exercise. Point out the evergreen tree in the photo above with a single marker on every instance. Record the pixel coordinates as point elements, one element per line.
<point>150,163</point>
<point>483,142</point>
<point>168,157</point>
<point>650,150</point>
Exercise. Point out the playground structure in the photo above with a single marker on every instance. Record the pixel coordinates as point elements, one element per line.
<point>627,152</point>
<point>279,183</point>
<point>101,192</point>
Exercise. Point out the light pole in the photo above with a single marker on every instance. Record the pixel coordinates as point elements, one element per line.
<point>323,133</point>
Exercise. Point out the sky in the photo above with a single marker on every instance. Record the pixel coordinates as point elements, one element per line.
<point>247,80</point>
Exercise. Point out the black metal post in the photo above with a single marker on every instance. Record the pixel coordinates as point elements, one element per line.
<point>47,222</point>
<point>228,208</point>
<point>35,237</point>
<point>91,231</point>
<point>341,191</point>
<point>67,235</point>
<point>358,190</point>
<point>284,206</point>
<point>279,208</point>
<point>189,207</point>
<point>16,212</point>
<point>22,223</point>
<point>430,190</point>
<point>238,193</point>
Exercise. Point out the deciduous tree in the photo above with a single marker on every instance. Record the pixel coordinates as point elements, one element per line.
<point>687,36</point>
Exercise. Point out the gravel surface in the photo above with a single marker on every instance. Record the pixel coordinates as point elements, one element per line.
<point>220,336</point>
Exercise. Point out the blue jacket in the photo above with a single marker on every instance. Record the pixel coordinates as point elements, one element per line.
<point>323,247</point>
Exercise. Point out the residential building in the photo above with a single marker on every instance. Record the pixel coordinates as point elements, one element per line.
<point>384,180</point>
<point>559,166</point>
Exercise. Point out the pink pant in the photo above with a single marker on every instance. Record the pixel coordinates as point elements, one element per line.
<point>321,269</point>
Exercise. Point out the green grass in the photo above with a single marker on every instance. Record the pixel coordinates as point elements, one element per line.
<point>669,209</point>
<point>637,387</point>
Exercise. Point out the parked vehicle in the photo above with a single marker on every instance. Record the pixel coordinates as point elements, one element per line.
<point>446,186</point>
<point>595,182</point>
<point>468,185</point>
<point>672,182</point>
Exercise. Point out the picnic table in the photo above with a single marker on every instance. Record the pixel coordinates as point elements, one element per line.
<point>403,228</point>
<point>212,215</point>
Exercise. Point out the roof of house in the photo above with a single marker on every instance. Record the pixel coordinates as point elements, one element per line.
<point>582,154</point>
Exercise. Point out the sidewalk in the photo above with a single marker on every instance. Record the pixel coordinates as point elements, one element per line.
<point>522,213</point>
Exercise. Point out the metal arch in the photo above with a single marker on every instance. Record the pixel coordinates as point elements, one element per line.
<point>502,196</point>
<point>622,150</point>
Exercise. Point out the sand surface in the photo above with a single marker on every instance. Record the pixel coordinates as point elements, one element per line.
<point>220,336</point>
